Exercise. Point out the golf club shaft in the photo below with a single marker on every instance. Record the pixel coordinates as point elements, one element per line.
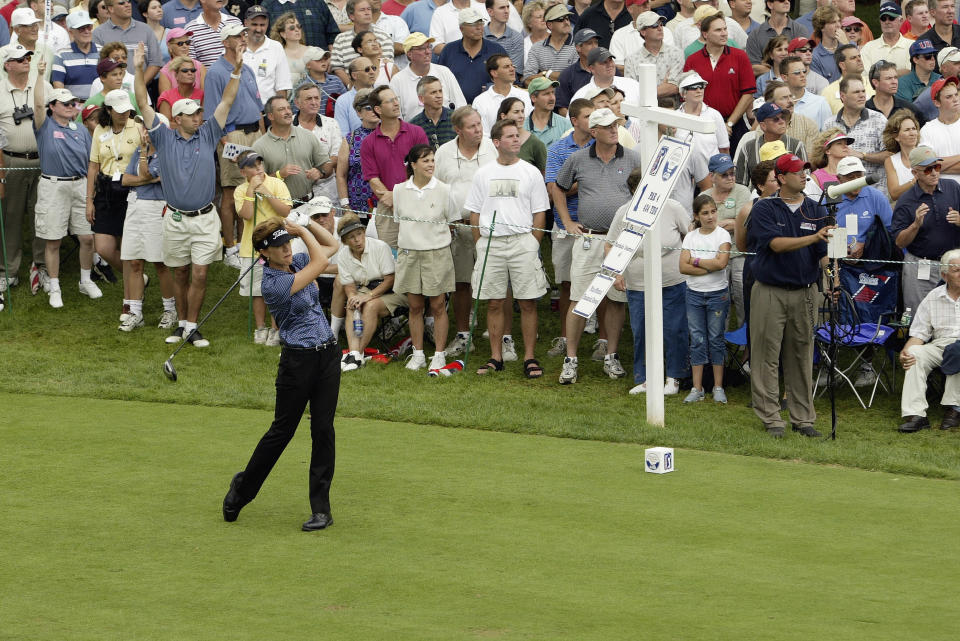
<point>214,308</point>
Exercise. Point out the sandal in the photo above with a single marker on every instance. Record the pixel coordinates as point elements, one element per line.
<point>492,365</point>
<point>532,369</point>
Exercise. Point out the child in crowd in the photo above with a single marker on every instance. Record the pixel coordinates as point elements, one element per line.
<point>706,251</point>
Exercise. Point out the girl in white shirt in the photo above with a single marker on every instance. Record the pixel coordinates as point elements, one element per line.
<point>426,211</point>
<point>706,251</point>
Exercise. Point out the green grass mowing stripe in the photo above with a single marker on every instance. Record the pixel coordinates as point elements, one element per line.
<point>112,531</point>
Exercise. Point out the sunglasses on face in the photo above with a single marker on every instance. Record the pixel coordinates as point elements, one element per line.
<point>72,103</point>
<point>187,70</point>
<point>927,56</point>
<point>369,69</point>
<point>119,3</point>
<point>798,72</point>
<point>696,87</point>
<point>292,26</point>
<point>182,43</point>
<point>887,18</point>
<point>852,29</point>
<point>563,19</point>
<point>932,168</point>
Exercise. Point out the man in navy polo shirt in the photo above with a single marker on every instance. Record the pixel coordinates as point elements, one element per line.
<point>604,18</point>
<point>577,74</point>
<point>926,224</point>
<point>242,126</point>
<point>467,57</point>
<point>180,13</point>
<point>789,232</point>
<point>191,234</point>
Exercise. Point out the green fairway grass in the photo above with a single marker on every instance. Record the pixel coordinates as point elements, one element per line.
<point>112,530</point>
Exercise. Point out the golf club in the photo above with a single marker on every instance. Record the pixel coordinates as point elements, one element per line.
<point>168,369</point>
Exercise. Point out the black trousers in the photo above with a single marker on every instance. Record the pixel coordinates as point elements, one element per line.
<point>303,375</point>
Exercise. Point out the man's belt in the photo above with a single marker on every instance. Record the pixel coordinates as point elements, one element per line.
<point>26,155</point>
<point>249,128</point>
<point>60,179</point>
<point>596,232</point>
<point>793,287</point>
<point>192,212</point>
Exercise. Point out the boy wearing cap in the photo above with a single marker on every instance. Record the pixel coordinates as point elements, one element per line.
<point>555,53</point>
<point>265,56</point>
<point>191,225</point>
<point>258,198</point>
<point>789,233</point>
<point>943,133</point>
<point>923,58</point>
<point>75,68</point>
<point>419,51</point>
<point>891,46</point>
<point>18,189</point>
<point>64,149</point>
<point>317,64</point>
<point>654,50</point>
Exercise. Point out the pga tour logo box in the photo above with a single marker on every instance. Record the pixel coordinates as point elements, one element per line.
<point>658,460</point>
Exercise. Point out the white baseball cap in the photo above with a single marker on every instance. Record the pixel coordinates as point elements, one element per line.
<point>118,100</point>
<point>78,19</point>
<point>14,52</point>
<point>185,107</point>
<point>602,118</point>
<point>849,165</point>
<point>60,95</point>
<point>469,16</point>
<point>232,29</point>
<point>23,16</point>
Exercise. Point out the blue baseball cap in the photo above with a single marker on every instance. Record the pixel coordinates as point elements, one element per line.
<point>921,47</point>
<point>890,9</point>
<point>768,110</point>
<point>720,163</point>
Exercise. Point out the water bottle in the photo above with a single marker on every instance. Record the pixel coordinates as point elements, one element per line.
<point>554,299</point>
<point>907,317</point>
<point>357,322</point>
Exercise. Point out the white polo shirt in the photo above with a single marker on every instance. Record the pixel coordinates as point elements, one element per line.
<point>489,101</point>
<point>375,263</point>
<point>404,84</point>
<point>269,65</point>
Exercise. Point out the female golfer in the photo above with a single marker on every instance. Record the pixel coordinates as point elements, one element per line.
<point>309,367</point>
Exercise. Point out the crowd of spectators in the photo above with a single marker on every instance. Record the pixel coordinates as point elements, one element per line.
<point>443,141</point>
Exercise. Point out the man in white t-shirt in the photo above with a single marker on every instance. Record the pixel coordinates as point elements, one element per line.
<point>601,64</point>
<point>265,56</point>
<point>418,50</point>
<point>943,134</point>
<point>502,72</point>
<point>510,196</point>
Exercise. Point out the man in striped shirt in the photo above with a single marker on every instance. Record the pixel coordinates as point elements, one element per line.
<point>556,53</point>
<point>205,44</point>
<point>361,13</point>
<point>75,68</point>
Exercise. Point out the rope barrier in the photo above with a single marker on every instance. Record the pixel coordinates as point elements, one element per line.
<point>735,253</point>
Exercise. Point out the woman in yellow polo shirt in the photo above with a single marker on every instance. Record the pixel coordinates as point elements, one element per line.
<point>115,140</point>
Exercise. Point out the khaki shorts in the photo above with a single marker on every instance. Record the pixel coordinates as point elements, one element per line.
<point>560,256</point>
<point>230,175</point>
<point>585,264</point>
<point>513,261</point>
<point>392,300</point>
<point>428,272</point>
<point>245,281</point>
<point>464,252</point>
<point>61,208</point>
<point>388,230</point>
<point>143,230</point>
<point>191,240</point>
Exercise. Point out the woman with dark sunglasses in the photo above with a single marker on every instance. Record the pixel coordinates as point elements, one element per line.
<point>178,43</point>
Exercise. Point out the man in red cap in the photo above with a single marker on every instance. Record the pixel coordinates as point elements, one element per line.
<point>788,232</point>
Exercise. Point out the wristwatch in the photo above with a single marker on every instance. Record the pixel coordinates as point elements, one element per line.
<point>730,124</point>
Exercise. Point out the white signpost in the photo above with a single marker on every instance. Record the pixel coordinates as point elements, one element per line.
<point>650,116</point>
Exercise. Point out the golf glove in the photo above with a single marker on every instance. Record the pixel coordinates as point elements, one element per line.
<point>298,218</point>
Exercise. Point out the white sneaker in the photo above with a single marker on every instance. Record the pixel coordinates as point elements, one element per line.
<point>439,360</point>
<point>260,336</point>
<point>508,350</point>
<point>612,366</point>
<point>591,326</point>
<point>10,281</point>
<point>56,299</point>
<point>568,374</point>
<point>273,337</point>
<point>416,361</point>
<point>638,389</point>
<point>146,280</point>
<point>132,322</point>
<point>559,347</point>
<point>486,334</point>
<point>350,363</point>
<point>695,396</point>
<point>168,320</point>
<point>89,288</point>
<point>231,259</point>
<point>599,350</point>
<point>672,386</point>
<point>459,345</point>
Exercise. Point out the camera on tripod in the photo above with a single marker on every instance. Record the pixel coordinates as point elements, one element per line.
<point>22,113</point>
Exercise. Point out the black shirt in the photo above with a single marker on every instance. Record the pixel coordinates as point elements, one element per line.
<point>597,18</point>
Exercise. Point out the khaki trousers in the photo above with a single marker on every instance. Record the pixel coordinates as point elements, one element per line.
<point>781,323</point>
<point>18,213</point>
<point>913,401</point>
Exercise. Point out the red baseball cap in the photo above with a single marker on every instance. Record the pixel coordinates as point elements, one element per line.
<point>938,86</point>
<point>789,163</point>
<point>797,43</point>
<point>89,109</point>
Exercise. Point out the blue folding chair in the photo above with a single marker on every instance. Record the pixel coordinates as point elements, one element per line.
<point>737,347</point>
